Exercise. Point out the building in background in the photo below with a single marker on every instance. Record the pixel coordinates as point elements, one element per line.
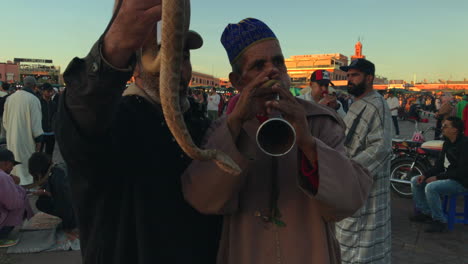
<point>301,67</point>
<point>397,84</point>
<point>225,83</point>
<point>9,72</point>
<point>202,79</point>
<point>358,52</point>
<point>42,70</point>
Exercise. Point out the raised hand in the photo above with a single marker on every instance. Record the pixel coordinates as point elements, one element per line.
<point>135,22</point>
<point>292,111</point>
<point>245,106</point>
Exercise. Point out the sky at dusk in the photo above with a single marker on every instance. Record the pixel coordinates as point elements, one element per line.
<point>423,38</point>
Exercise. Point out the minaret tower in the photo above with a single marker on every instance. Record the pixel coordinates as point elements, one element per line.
<point>358,51</point>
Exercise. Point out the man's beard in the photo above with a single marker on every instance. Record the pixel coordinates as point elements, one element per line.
<point>150,81</point>
<point>357,89</point>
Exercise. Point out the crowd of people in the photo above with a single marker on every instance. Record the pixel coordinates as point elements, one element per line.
<point>418,106</point>
<point>211,105</point>
<point>26,167</point>
<point>136,197</point>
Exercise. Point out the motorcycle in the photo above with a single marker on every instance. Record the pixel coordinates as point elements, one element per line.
<point>412,158</point>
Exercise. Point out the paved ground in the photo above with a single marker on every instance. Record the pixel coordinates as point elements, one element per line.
<point>410,244</point>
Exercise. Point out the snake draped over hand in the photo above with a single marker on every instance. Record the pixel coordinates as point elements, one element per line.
<point>175,24</point>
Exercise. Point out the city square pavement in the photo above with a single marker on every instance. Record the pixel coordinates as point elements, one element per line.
<point>409,241</point>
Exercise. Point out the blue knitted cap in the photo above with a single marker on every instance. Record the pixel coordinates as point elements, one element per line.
<point>238,37</point>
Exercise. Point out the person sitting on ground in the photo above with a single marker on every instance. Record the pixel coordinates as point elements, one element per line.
<point>54,190</point>
<point>449,176</point>
<point>14,203</point>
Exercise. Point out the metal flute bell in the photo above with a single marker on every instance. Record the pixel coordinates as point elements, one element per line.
<point>276,136</point>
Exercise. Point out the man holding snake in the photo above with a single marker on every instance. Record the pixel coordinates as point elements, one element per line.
<point>123,162</point>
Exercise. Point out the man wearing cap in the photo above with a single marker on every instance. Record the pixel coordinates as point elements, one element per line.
<point>14,203</point>
<point>366,236</point>
<point>319,82</point>
<point>279,209</point>
<point>124,165</point>
<point>319,92</point>
<point>22,119</point>
<point>49,109</point>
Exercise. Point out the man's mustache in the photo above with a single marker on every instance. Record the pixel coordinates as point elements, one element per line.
<point>266,92</point>
<point>263,92</point>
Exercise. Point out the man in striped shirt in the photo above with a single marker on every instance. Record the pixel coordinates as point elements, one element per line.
<point>365,237</point>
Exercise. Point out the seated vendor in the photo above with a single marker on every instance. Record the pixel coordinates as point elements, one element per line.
<point>54,190</point>
<point>14,203</point>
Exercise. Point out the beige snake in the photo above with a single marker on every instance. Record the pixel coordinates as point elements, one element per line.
<point>176,21</point>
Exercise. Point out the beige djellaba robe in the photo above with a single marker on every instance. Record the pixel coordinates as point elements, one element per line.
<point>308,236</point>
<point>22,120</point>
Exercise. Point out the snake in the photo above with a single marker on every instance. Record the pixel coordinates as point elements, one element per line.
<point>176,21</point>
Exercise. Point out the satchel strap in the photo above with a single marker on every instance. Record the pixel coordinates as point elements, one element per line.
<point>351,131</point>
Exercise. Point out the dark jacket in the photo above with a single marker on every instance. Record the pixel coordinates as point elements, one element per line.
<point>60,203</point>
<point>125,171</point>
<point>457,154</point>
<point>2,104</point>
<point>49,109</point>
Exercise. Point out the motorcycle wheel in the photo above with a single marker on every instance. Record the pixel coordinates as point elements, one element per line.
<point>400,170</point>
